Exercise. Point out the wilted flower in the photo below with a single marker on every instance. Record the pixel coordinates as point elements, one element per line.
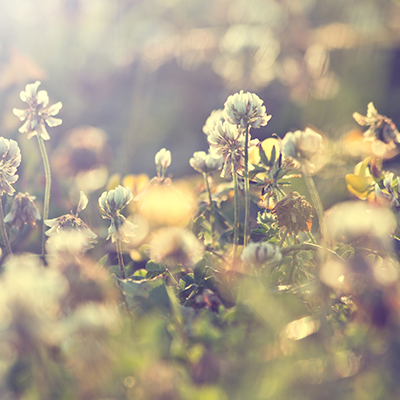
<point>294,213</point>
<point>390,190</point>
<point>203,162</point>
<point>245,109</point>
<point>10,158</point>
<point>111,203</point>
<point>228,141</point>
<point>163,161</point>
<point>302,145</point>
<point>38,113</point>
<point>71,222</point>
<point>256,254</point>
<point>215,117</point>
<point>23,211</point>
<point>380,127</point>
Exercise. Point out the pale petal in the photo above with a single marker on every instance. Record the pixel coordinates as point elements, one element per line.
<point>41,130</point>
<point>21,114</point>
<point>43,98</point>
<point>51,121</point>
<point>26,127</point>
<point>54,109</point>
<point>83,202</point>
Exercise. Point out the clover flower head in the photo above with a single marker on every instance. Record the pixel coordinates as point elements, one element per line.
<point>111,203</point>
<point>256,254</point>
<point>38,113</point>
<point>380,127</point>
<point>228,141</point>
<point>294,213</point>
<point>163,160</point>
<point>245,109</point>
<point>205,163</point>
<point>23,211</point>
<point>390,190</point>
<point>215,117</point>
<point>302,145</point>
<point>10,158</point>
<point>71,222</point>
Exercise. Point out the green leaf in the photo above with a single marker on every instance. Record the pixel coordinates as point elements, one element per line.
<point>263,156</point>
<point>147,293</point>
<point>102,262</point>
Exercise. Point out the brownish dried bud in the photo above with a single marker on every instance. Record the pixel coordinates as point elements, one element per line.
<point>294,213</point>
<point>23,211</point>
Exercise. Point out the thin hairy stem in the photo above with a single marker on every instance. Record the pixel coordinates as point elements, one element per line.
<point>120,259</point>
<point>3,229</point>
<point>205,174</point>
<point>46,190</point>
<point>246,188</point>
<point>314,197</point>
<point>236,217</point>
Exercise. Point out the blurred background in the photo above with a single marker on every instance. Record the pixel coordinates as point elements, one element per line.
<point>135,76</point>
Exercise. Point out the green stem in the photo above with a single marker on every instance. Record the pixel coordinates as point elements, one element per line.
<point>246,188</point>
<point>205,174</point>
<point>120,259</point>
<point>314,197</point>
<point>3,229</point>
<point>173,278</point>
<point>46,190</point>
<point>236,216</point>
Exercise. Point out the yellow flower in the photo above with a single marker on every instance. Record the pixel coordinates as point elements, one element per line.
<point>361,183</point>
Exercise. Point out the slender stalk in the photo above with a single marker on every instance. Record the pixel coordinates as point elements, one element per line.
<point>205,174</point>
<point>120,259</point>
<point>246,188</point>
<point>236,217</point>
<point>46,190</point>
<point>172,278</point>
<point>3,229</point>
<point>314,197</point>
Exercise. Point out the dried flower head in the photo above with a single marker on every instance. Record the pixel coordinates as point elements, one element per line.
<point>245,109</point>
<point>10,158</point>
<point>111,203</point>
<point>215,117</point>
<point>302,145</point>
<point>71,222</point>
<point>380,127</point>
<point>38,113</point>
<point>204,163</point>
<point>294,213</point>
<point>23,211</point>
<point>228,141</point>
<point>256,254</point>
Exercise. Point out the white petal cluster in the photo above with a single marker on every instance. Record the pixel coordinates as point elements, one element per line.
<point>204,163</point>
<point>302,145</point>
<point>38,113</point>
<point>215,117</point>
<point>228,141</point>
<point>111,203</point>
<point>10,159</point>
<point>256,254</point>
<point>163,159</point>
<point>245,109</point>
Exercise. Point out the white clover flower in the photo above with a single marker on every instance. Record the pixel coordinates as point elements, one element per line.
<point>256,254</point>
<point>245,109</point>
<point>215,117</point>
<point>228,141</point>
<point>23,211</point>
<point>204,163</point>
<point>302,145</point>
<point>10,159</point>
<point>38,113</point>
<point>111,203</point>
<point>163,160</point>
